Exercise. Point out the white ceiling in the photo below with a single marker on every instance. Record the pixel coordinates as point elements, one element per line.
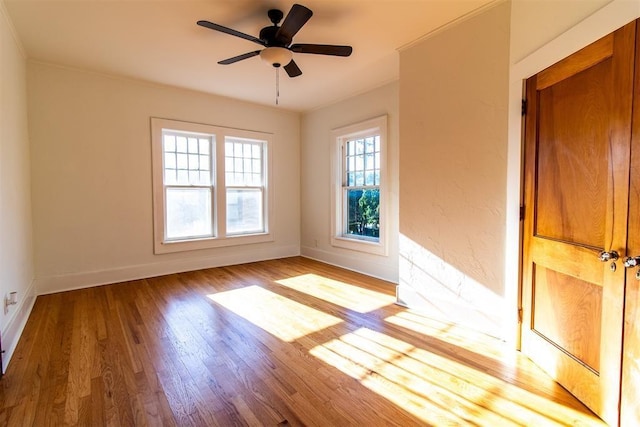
<point>159,41</point>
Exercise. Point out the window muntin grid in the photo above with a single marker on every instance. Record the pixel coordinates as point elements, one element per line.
<point>362,162</point>
<point>187,159</point>
<point>187,177</point>
<point>243,163</point>
<point>244,181</point>
<point>361,188</point>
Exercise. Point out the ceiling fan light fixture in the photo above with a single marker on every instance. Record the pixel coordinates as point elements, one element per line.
<point>276,56</point>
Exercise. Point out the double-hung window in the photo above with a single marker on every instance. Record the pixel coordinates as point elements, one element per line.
<point>210,186</point>
<point>358,201</point>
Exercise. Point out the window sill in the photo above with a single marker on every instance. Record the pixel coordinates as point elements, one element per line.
<point>208,243</point>
<point>360,245</point>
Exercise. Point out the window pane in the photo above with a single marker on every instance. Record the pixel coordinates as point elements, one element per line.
<point>369,163</point>
<point>183,177</point>
<point>170,177</point>
<point>351,179</point>
<point>363,213</point>
<point>169,143</point>
<point>181,144</point>
<point>204,146</point>
<point>182,161</point>
<point>193,145</point>
<point>205,178</point>
<point>194,177</point>
<point>369,148</point>
<point>169,161</point>
<point>369,178</point>
<point>193,162</point>
<point>204,163</point>
<point>244,211</point>
<point>188,213</point>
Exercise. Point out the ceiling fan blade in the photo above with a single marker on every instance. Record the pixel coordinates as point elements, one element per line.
<point>226,30</point>
<point>296,18</point>
<point>322,49</point>
<point>292,69</point>
<point>239,58</point>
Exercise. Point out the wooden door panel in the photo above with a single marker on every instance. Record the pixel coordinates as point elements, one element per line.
<point>576,214</point>
<point>576,261</point>
<point>568,313</point>
<point>579,61</point>
<point>630,402</point>
<point>576,188</point>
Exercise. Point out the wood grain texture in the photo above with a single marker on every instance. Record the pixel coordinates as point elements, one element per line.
<point>576,183</point>
<point>587,57</point>
<point>573,157</point>
<point>630,404</point>
<point>568,312</point>
<point>182,350</point>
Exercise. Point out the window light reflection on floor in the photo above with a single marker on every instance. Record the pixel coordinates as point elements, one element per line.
<point>436,389</point>
<point>340,293</point>
<point>285,319</point>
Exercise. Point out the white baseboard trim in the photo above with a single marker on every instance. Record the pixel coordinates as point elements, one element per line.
<point>68,282</point>
<point>15,326</point>
<point>353,263</point>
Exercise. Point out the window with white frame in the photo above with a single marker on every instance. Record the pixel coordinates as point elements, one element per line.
<point>359,187</point>
<point>244,175</point>
<point>210,186</point>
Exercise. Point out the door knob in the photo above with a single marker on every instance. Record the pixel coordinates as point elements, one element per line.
<point>632,261</point>
<point>605,256</point>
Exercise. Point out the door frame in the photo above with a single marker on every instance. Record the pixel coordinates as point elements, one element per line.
<point>606,20</point>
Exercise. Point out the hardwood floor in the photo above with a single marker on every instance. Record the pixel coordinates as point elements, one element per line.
<point>286,342</point>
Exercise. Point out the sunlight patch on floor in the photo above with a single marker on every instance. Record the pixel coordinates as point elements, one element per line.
<point>343,294</point>
<point>436,389</point>
<point>454,334</point>
<point>285,319</point>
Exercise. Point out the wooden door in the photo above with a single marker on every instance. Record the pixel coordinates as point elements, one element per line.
<point>630,405</point>
<point>577,144</point>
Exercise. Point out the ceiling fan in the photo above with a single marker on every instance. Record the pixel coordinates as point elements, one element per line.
<point>278,50</point>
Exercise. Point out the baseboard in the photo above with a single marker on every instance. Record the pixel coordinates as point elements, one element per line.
<point>68,282</point>
<point>15,326</point>
<point>353,263</point>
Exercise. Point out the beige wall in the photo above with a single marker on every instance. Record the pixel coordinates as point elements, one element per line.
<point>91,173</point>
<point>16,251</point>
<point>453,149</point>
<point>535,23</point>
<point>316,180</point>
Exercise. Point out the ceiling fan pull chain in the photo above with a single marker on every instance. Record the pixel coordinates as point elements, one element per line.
<point>277,84</point>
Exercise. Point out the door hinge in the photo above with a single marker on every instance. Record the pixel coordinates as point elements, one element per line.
<point>524,107</point>
<point>521,213</point>
<point>520,315</point>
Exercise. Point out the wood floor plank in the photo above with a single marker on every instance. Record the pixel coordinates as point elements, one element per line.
<point>289,342</point>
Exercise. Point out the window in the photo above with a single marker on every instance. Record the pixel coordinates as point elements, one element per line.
<point>209,186</point>
<point>358,190</point>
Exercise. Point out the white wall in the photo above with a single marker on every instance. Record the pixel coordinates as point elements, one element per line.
<point>16,251</point>
<point>91,174</point>
<point>453,150</point>
<point>317,181</point>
